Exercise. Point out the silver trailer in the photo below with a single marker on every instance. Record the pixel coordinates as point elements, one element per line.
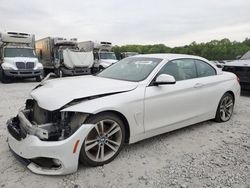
<point>62,56</point>
<point>18,57</point>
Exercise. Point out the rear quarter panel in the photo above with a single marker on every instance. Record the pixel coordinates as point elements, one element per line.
<point>230,83</point>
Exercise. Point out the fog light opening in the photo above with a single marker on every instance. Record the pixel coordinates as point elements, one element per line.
<point>57,162</point>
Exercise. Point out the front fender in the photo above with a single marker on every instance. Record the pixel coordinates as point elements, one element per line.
<point>93,106</point>
<point>129,104</point>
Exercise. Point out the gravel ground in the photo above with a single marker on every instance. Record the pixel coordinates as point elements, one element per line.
<point>207,154</point>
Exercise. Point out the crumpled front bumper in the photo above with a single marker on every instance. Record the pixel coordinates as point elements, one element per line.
<point>66,151</point>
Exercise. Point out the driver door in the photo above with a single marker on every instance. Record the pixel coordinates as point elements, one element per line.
<point>167,105</point>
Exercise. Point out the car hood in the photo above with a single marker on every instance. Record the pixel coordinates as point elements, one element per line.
<point>54,94</point>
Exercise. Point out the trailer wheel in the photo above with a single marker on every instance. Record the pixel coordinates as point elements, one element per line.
<point>4,79</point>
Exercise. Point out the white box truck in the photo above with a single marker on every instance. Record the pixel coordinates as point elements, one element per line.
<point>62,56</point>
<point>103,55</point>
<point>18,57</point>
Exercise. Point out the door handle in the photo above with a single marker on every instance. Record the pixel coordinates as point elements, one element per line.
<point>198,85</point>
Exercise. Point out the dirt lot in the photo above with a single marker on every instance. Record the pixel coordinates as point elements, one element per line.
<point>203,155</point>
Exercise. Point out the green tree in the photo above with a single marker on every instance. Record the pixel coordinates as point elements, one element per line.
<point>214,50</point>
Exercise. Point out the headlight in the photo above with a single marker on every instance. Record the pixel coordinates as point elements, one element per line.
<point>38,66</point>
<point>7,66</point>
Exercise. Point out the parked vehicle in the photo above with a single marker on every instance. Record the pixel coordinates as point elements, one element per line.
<point>127,54</point>
<point>136,98</point>
<point>219,64</point>
<point>103,55</point>
<point>242,69</point>
<point>18,58</point>
<point>62,56</point>
<point>246,56</point>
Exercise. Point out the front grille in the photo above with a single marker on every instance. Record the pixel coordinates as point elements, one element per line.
<point>29,65</point>
<point>22,65</point>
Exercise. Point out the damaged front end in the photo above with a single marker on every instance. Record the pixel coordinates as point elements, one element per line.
<point>46,125</point>
<point>48,141</point>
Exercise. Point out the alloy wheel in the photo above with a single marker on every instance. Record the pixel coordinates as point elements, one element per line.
<point>226,108</point>
<point>103,141</point>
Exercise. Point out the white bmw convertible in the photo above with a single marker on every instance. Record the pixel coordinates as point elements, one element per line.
<point>90,118</point>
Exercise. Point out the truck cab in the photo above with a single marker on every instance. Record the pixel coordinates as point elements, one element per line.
<point>18,57</point>
<point>103,55</point>
<point>106,59</point>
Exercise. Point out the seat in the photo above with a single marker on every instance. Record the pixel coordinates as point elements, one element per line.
<point>173,70</point>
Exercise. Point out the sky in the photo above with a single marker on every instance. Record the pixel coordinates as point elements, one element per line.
<point>173,23</point>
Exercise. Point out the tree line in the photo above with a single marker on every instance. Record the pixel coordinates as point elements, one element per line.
<point>214,50</point>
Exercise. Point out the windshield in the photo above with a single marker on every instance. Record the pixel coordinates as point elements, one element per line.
<point>131,69</point>
<point>19,52</point>
<point>107,55</point>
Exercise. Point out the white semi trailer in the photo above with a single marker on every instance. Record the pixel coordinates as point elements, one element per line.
<point>18,57</point>
<point>62,56</point>
<point>103,55</point>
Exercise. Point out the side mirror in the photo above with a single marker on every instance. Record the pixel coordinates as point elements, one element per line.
<point>164,79</point>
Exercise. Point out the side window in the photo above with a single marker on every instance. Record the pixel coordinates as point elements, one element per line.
<point>180,69</point>
<point>204,69</point>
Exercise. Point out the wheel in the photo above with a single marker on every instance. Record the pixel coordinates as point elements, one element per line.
<point>225,108</point>
<point>46,72</point>
<point>101,68</point>
<point>104,141</point>
<point>39,78</point>
<point>4,79</point>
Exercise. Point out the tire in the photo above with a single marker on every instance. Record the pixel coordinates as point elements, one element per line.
<point>4,79</point>
<point>39,78</point>
<point>101,68</point>
<point>46,72</point>
<point>110,140</point>
<point>225,108</point>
